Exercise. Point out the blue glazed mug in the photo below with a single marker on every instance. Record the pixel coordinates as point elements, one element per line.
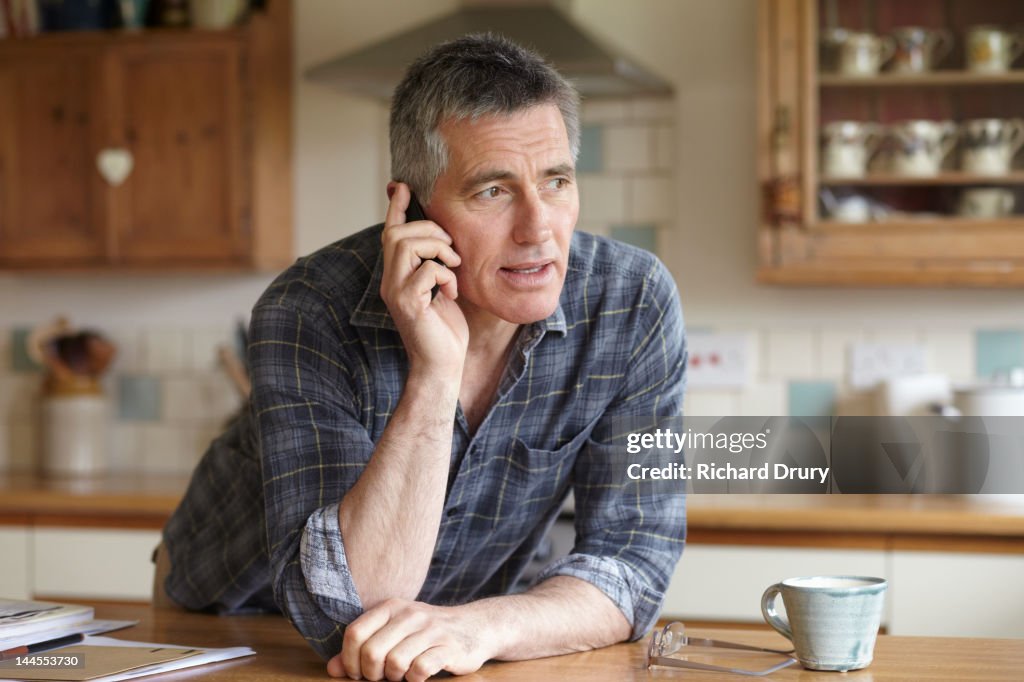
<point>833,620</point>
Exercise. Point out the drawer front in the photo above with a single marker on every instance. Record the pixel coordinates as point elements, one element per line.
<point>962,595</point>
<point>94,563</point>
<point>726,582</point>
<point>14,577</point>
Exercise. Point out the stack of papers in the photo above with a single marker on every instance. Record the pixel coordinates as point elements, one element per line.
<point>33,624</point>
<point>50,641</point>
<point>105,659</point>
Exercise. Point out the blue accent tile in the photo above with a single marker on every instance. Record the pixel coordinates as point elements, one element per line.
<point>591,158</point>
<point>20,360</point>
<point>138,398</point>
<point>645,236</point>
<point>997,351</point>
<point>811,398</point>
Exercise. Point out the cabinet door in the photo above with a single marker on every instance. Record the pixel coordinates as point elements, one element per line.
<point>94,563</point>
<point>52,199</point>
<point>178,113</point>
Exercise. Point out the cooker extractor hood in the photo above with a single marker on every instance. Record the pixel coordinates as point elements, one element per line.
<point>596,70</point>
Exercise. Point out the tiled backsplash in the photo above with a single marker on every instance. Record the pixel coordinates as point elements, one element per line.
<point>169,397</point>
<point>625,169</point>
<point>804,371</point>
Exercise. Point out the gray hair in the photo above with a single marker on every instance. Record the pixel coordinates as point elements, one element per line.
<point>476,75</point>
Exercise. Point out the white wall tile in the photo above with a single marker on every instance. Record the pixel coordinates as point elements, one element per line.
<point>951,352</point>
<point>835,348</point>
<point>652,109</point>
<point>23,446</point>
<point>602,199</point>
<point>603,110</point>
<point>163,448</point>
<point>181,399</point>
<point>711,403</point>
<point>166,349</point>
<point>767,398</point>
<point>791,354</point>
<point>125,447</point>
<point>664,151</point>
<point>898,337</point>
<point>628,148</point>
<point>19,396</point>
<point>651,198</point>
<point>598,228</point>
<point>5,350</point>
<point>205,344</point>
<point>128,342</point>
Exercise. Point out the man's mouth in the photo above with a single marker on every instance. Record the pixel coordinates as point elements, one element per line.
<point>526,268</point>
<point>529,275</point>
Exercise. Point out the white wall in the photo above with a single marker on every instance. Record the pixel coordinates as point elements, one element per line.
<point>705,47</point>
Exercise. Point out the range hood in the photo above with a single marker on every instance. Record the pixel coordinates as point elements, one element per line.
<point>594,69</point>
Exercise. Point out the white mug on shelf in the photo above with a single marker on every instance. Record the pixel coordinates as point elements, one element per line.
<point>847,147</point>
<point>921,146</point>
<point>990,145</point>
<point>986,202</point>
<point>990,49</point>
<point>919,49</point>
<point>862,54</point>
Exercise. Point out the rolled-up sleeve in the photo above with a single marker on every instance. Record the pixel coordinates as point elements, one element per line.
<point>630,533</point>
<point>313,449</point>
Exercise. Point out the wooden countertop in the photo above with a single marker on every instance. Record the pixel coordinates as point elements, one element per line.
<point>145,501</point>
<point>283,655</point>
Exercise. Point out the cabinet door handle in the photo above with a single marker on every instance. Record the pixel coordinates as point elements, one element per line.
<point>115,164</point>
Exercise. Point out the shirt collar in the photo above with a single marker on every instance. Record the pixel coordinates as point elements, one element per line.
<point>372,312</point>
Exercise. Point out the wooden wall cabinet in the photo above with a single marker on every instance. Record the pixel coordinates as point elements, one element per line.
<point>151,150</point>
<point>919,237</point>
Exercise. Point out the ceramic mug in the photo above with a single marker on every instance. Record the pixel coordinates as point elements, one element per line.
<point>986,202</point>
<point>990,144</point>
<point>991,49</point>
<point>833,620</point>
<point>862,54</point>
<point>919,49</point>
<point>921,146</point>
<point>847,147</point>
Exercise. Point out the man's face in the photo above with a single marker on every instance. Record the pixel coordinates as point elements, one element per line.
<point>509,201</point>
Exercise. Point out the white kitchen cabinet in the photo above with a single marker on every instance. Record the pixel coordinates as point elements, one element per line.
<point>93,563</point>
<point>957,594</point>
<point>725,582</point>
<point>15,547</point>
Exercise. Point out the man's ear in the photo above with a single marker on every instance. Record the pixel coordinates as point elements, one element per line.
<point>391,189</point>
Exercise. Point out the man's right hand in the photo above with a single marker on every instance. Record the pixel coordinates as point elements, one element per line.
<point>434,332</point>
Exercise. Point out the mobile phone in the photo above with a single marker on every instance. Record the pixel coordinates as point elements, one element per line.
<point>415,212</point>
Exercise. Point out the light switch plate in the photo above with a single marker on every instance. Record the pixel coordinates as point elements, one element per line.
<point>717,360</point>
<point>871,363</point>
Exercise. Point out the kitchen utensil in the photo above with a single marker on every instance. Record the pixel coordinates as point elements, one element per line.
<point>919,49</point>
<point>847,147</point>
<point>921,146</point>
<point>990,144</point>
<point>990,49</point>
<point>986,202</point>
<point>862,54</point>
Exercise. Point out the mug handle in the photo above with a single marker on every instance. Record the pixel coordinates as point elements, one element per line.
<point>1016,135</point>
<point>887,48</point>
<point>874,134</point>
<point>949,139</point>
<point>943,46</point>
<point>771,616</point>
<point>1016,46</point>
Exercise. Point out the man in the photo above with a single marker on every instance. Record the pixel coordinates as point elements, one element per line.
<point>426,393</point>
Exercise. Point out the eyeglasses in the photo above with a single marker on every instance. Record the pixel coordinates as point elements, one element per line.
<point>672,639</point>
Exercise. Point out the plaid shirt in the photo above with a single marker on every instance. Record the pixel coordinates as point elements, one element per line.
<point>328,367</point>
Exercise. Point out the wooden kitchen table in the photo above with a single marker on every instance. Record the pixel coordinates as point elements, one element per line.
<point>283,655</point>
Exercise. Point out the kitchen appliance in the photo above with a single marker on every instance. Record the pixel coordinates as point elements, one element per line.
<point>594,69</point>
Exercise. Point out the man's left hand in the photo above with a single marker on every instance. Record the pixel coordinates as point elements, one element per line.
<point>400,639</point>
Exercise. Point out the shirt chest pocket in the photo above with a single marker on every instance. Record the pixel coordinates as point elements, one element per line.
<point>533,481</point>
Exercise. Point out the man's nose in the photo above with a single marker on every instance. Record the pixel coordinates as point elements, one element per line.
<point>532,221</point>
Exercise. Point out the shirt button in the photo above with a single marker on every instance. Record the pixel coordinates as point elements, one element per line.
<point>453,511</point>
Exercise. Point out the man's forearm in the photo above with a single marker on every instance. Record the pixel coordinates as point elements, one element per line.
<point>389,520</point>
<point>559,616</point>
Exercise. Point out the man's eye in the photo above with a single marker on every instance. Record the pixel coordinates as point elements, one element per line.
<point>557,183</point>
<point>490,193</point>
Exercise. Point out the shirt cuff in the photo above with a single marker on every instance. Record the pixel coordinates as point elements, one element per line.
<point>619,582</point>
<point>325,566</point>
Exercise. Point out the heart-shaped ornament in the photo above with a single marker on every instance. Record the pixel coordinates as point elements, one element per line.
<point>115,165</point>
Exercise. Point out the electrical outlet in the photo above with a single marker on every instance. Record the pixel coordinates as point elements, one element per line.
<point>870,363</point>
<point>717,360</point>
